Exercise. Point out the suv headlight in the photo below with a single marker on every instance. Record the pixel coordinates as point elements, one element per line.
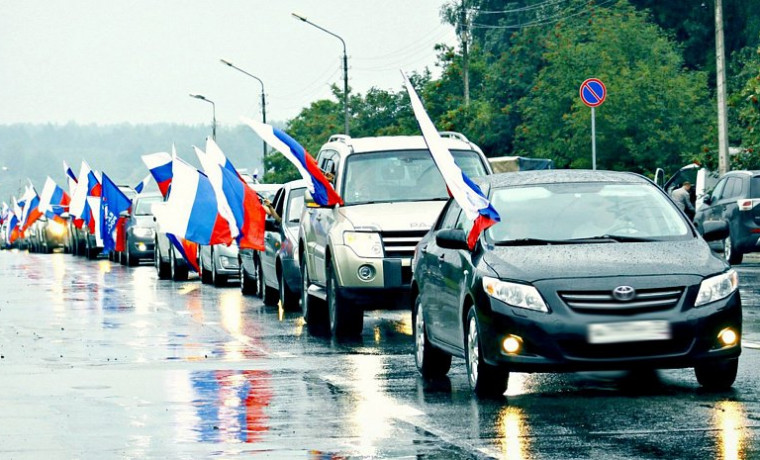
<point>364,244</point>
<point>56,228</point>
<point>717,287</point>
<point>515,295</point>
<point>143,232</point>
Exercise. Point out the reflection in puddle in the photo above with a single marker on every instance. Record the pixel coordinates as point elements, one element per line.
<point>231,310</point>
<point>731,436</point>
<point>512,433</point>
<point>222,406</point>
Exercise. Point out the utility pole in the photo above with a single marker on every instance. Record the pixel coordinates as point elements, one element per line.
<point>464,37</point>
<point>720,55</point>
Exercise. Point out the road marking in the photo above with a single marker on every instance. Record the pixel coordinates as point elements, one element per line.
<point>752,345</point>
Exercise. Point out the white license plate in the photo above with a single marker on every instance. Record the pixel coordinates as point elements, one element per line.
<point>628,331</point>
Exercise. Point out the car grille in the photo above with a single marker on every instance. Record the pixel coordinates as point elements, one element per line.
<point>602,302</point>
<point>401,244</point>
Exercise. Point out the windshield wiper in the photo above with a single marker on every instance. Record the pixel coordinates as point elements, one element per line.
<point>589,239</point>
<point>619,238</point>
<point>533,242</point>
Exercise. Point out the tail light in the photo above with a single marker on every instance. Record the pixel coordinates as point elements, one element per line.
<point>745,205</point>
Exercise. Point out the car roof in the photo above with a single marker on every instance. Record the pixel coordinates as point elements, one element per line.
<point>383,143</point>
<point>558,176</point>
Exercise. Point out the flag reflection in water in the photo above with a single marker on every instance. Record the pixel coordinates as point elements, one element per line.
<point>230,405</point>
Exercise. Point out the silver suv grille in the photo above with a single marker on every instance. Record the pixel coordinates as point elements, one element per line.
<point>401,244</point>
<point>602,302</point>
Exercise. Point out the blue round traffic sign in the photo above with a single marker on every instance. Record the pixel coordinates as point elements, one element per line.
<point>593,92</point>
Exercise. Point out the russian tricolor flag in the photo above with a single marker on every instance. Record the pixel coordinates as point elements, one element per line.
<point>93,190</point>
<point>160,167</point>
<point>53,201</point>
<point>71,178</point>
<point>192,212</point>
<point>321,189</point>
<point>30,212</point>
<point>466,193</point>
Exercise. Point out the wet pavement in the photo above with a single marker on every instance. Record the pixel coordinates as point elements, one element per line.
<point>102,361</point>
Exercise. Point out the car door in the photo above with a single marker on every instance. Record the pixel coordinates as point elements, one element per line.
<point>711,209</point>
<point>272,243</point>
<point>727,208</point>
<point>455,268</point>
<point>323,220</point>
<point>433,285</point>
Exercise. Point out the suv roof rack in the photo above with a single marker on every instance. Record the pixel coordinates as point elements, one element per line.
<point>454,135</point>
<point>340,138</point>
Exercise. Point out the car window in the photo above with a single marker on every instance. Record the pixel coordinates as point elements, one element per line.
<point>449,216</point>
<point>401,175</point>
<point>295,205</point>
<point>278,201</point>
<point>754,187</point>
<point>718,191</point>
<point>585,210</point>
<point>143,206</point>
<point>733,188</point>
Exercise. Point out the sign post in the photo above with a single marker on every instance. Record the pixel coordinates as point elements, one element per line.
<point>593,92</point>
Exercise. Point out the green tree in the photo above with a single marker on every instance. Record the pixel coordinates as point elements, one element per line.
<point>656,112</point>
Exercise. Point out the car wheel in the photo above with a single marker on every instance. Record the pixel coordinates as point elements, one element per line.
<point>485,380</point>
<point>216,278</point>
<point>205,274</point>
<point>310,308</point>
<point>178,271</point>
<point>346,320</point>
<point>288,298</point>
<point>247,285</point>
<point>431,361</point>
<point>732,255</point>
<point>162,268</point>
<point>717,375</point>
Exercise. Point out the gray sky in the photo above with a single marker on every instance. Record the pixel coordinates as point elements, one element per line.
<point>98,61</point>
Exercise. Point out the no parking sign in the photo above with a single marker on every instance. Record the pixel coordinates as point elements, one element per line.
<point>593,93</point>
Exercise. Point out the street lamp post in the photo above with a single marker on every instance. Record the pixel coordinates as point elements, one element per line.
<point>213,108</point>
<point>345,66</point>
<point>263,97</point>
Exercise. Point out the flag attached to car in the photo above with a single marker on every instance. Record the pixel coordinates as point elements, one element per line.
<point>160,166</point>
<point>112,203</point>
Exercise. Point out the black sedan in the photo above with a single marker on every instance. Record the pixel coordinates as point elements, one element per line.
<point>587,270</point>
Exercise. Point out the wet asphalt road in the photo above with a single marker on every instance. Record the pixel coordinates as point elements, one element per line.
<point>102,361</point>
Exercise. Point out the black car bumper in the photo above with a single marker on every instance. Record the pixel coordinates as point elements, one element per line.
<point>557,345</point>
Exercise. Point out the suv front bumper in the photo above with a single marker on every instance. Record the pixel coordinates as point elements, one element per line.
<point>391,279</point>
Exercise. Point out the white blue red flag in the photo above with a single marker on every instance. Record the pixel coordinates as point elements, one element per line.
<point>160,167</point>
<point>30,212</point>
<point>93,204</point>
<point>71,178</point>
<point>247,213</point>
<point>93,190</point>
<point>191,212</point>
<point>466,193</point>
<point>112,203</point>
<point>53,200</point>
<point>78,202</point>
<point>321,189</point>
<point>139,187</point>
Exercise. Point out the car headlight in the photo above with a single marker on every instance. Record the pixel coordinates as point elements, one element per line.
<point>143,232</point>
<point>56,228</point>
<point>717,287</point>
<point>364,244</point>
<point>515,295</point>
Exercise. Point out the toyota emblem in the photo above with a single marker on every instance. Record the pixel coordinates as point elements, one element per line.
<point>624,293</point>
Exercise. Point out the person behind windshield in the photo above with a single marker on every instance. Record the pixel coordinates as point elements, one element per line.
<point>682,197</point>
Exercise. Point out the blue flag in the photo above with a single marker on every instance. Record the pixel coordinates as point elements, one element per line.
<point>113,202</point>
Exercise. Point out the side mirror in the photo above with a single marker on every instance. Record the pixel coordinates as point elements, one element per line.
<point>708,199</point>
<point>715,230</point>
<point>271,225</point>
<point>124,214</point>
<point>452,239</point>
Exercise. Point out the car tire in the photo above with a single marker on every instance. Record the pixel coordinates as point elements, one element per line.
<point>217,279</point>
<point>733,256</point>
<point>310,308</point>
<point>485,380</point>
<point>288,298</point>
<point>178,272</point>
<point>432,362</point>
<point>346,319</point>
<point>717,375</point>
<point>162,268</point>
<point>247,285</point>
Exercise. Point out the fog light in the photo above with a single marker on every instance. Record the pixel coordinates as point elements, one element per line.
<point>512,344</point>
<point>141,247</point>
<point>728,337</point>
<point>366,272</point>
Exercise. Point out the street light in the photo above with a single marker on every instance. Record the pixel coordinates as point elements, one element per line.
<point>213,108</point>
<point>263,97</point>
<point>345,65</point>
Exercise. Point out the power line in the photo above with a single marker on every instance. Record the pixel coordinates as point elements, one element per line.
<point>547,20</point>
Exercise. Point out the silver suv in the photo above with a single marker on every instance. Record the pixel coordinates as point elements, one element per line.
<point>358,256</point>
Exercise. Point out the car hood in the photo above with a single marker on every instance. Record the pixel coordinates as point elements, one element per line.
<point>144,221</point>
<point>536,263</point>
<point>397,216</point>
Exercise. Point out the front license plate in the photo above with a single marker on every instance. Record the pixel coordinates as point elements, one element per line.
<point>628,331</point>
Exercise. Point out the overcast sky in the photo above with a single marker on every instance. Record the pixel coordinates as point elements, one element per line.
<point>96,61</point>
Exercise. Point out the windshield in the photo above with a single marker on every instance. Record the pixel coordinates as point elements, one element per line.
<point>562,212</point>
<point>143,206</point>
<point>406,175</point>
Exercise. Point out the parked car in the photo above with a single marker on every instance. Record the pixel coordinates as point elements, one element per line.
<point>275,273</point>
<point>587,270</point>
<point>139,229</point>
<point>734,200</point>
<point>357,256</point>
